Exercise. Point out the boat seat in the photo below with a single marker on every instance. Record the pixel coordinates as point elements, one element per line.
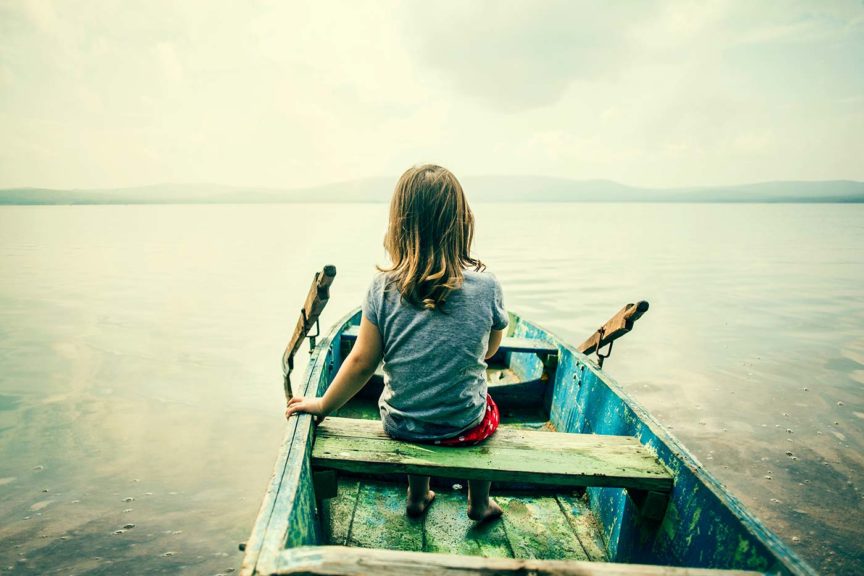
<point>511,455</point>
<point>516,345</point>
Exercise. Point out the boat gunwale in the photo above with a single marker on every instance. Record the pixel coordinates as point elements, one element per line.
<point>258,551</point>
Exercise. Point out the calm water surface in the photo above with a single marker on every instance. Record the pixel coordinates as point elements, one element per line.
<point>140,389</point>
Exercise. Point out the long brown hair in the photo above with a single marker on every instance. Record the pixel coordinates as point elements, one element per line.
<point>429,236</point>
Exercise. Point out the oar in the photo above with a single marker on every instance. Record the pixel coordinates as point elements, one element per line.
<point>316,300</point>
<point>620,324</point>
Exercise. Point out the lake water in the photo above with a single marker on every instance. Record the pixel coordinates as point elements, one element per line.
<point>140,346</point>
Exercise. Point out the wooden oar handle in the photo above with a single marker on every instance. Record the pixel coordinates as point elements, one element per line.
<point>316,300</point>
<point>620,324</point>
<point>325,278</point>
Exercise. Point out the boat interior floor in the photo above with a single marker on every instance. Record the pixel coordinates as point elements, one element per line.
<point>369,511</point>
<point>371,514</point>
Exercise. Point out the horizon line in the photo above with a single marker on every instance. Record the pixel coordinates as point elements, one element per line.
<point>289,188</point>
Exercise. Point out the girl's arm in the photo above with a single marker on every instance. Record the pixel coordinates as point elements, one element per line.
<point>355,371</point>
<point>494,341</point>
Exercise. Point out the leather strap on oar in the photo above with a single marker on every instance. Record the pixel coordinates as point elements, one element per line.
<point>316,300</point>
<point>620,324</point>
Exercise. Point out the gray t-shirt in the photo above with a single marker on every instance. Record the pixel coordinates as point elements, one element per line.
<point>434,370</point>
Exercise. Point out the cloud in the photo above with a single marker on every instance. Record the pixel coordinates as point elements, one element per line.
<point>515,54</point>
<point>170,63</point>
<point>42,14</point>
<point>298,93</point>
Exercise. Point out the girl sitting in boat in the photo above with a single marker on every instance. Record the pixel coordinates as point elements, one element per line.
<point>434,316</point>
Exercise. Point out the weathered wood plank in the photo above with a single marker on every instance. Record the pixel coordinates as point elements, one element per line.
<point>504,438</point>
<point>329,560</point>
<point>537,528</point>
<point>448,529</point>
<point>532,527</point>
<point>380,520</point>
<point>584,526</point>
<point>546,458</point>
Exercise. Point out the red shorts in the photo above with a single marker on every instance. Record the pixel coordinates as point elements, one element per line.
<point>478,433</point>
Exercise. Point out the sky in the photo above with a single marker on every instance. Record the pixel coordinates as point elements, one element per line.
<point>294,94</point>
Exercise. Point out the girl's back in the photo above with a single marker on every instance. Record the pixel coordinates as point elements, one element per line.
<point>435,373</point>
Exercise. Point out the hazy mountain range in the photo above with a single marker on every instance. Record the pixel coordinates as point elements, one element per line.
<point>478,188</point>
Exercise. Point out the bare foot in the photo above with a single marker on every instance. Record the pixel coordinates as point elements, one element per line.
<point>489,512</point>
<point>415,508</point>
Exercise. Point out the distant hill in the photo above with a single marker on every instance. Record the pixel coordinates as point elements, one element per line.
<point>478,188</point>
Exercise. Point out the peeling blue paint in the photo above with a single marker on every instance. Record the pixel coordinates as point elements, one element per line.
<point>586,400</point>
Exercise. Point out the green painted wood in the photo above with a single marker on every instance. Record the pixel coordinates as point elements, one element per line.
<point>372,515</point>
<point>449,530</point>
<point>584,525</point>
<point>293,520</point>
<point>524,417</point>
<point>508,344</point>
<point>339,512</point>
<point>380,520</point>
<point>546,458</point>
<point>536,527</point>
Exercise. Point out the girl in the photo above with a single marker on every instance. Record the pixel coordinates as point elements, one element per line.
<point>434,317</point>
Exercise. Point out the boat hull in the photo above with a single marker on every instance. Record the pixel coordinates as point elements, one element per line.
<point>703,525</point>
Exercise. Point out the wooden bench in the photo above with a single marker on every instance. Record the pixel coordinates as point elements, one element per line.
<point>513,455</point>
<point>515,345</point>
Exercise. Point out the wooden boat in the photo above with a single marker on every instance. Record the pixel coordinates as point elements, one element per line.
<point>589,482</point>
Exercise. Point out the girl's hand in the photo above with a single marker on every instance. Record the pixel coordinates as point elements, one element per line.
<point>306,406</point>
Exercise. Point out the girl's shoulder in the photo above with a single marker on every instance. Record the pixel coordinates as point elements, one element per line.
<point>382,279</point>
<point>382,283</point>
<point>482,282</point>
<point>480,276</point>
